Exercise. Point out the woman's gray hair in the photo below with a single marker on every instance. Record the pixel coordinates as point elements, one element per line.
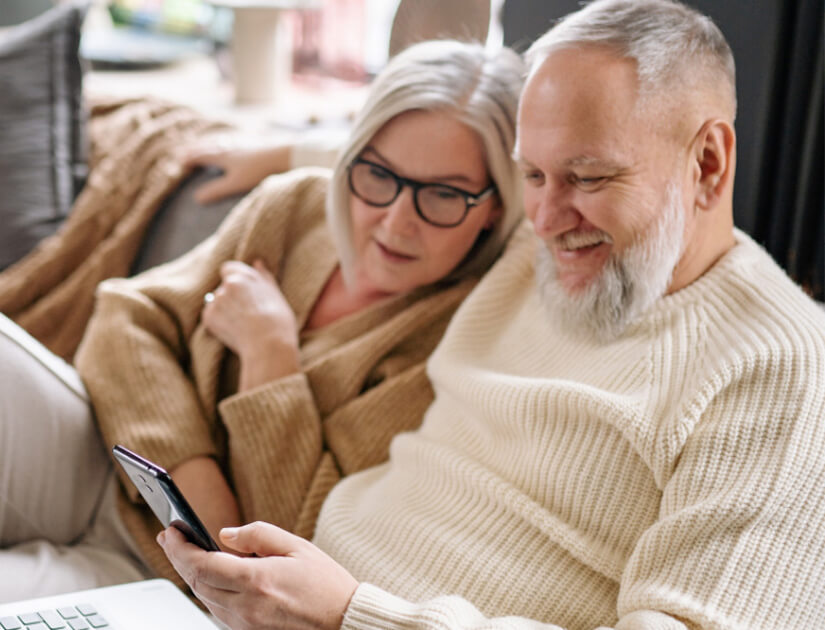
<point>671,44</point>
<point>481,89</point>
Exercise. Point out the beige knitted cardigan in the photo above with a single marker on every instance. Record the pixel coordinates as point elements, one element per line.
<point>157,379</point>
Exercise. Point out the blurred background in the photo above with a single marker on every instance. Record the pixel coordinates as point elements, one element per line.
<point>301,64</point>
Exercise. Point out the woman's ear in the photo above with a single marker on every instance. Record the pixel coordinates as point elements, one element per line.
<point>714,155</point>
<point>494,216</point>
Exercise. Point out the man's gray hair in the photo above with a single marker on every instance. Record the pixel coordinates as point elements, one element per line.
<point>672,44</point>
<point>481,89</point>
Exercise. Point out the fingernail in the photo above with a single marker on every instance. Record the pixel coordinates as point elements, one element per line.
<point>229,532</point>
<point>161,538</point>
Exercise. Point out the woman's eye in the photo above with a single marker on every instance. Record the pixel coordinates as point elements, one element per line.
<point>379,173</point>
<point>446,194</point>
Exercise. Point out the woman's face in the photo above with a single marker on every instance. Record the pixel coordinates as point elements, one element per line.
<point>397,250</point>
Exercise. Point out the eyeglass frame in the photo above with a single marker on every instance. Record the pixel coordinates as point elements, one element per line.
<point>471,200</point>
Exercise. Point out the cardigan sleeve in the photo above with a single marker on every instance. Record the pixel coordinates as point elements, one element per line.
<point>277,441</point>
<point>149,366</point>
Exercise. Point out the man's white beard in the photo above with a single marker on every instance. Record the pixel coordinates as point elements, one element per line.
<point>626,287</point>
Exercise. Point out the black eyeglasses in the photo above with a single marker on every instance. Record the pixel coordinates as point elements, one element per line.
<point>437,204</point>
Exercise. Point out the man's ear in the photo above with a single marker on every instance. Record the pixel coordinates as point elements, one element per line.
<point>714,155</point>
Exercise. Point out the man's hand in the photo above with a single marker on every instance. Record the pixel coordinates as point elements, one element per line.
<point>250,315</point>
<point>290,585</point>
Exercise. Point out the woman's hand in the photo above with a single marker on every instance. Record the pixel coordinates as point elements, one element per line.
<point>204,485</point>
<point>290,585</point>
<point>244,165</point>
<point>250,315</point>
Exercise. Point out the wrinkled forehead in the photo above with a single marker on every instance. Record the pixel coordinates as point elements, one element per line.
<point>582,80</point>
<point>583,97</point>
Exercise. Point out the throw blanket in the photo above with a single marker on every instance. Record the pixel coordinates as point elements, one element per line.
<point>133,167</point>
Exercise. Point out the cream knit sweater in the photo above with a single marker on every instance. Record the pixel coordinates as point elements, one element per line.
<point>674,478</point>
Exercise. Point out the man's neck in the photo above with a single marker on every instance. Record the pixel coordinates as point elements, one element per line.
<point>702,253</point>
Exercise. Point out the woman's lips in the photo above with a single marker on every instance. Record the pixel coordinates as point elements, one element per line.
<point>392,254</point>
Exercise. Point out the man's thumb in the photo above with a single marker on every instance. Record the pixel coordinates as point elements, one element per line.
<point>260,539</point>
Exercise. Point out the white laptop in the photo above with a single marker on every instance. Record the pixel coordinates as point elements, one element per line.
<point>155,604</point>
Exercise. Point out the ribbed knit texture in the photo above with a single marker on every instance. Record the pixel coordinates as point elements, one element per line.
<point>677,473</point>
<point>156,377</point>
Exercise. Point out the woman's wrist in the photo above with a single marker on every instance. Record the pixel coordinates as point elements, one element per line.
<point>266,363</point>
<point>204,484</point>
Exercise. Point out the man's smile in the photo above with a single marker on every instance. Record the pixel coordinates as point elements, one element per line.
<point>578,245</point>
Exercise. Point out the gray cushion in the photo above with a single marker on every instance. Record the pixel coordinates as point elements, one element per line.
<point>16,11</point>
<point>181,222</point>
<point>41,127</point>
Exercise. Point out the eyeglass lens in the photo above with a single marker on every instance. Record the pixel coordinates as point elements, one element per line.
<point>438,204</point>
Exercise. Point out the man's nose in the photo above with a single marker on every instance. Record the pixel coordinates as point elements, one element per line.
<point>553,212</point>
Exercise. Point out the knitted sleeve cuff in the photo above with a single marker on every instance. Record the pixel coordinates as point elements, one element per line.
<point>373,608</point>
<point>281,398</point>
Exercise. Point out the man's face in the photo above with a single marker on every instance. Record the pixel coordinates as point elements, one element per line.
<point>598,179</point>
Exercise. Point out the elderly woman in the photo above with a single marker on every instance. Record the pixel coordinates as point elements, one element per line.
<point>282,353</point>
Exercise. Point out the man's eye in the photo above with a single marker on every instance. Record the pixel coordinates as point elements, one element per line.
<point>587,183</point>
<point>534,178</point>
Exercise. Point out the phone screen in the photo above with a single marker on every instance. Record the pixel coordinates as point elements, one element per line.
<point>164,498</point>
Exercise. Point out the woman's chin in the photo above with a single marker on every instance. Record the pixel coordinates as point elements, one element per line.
<point>389,288</point>
<point>393,282</point>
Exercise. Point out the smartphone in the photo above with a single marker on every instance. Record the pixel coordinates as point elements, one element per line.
<point>163,496</point>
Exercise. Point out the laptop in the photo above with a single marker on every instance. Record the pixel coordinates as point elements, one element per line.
<point>156,604</point>
<point>149,33</point>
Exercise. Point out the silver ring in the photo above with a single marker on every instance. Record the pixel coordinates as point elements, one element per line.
<point>209,298</point>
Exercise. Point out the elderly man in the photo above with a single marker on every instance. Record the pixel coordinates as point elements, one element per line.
<point>628,426</point>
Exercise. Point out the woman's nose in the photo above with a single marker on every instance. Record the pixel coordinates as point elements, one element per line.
<point>400,216</point>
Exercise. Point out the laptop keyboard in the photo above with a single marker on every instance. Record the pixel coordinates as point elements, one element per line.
<point>80,617</point>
